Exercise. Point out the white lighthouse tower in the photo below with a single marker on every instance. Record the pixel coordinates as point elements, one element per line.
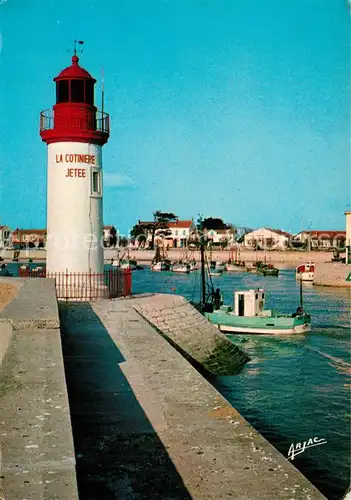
<point>75,132</point>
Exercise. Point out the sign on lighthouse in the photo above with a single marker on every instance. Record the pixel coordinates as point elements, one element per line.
<point>75,132</point>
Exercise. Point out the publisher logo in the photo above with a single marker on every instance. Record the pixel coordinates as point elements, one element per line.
<point>299,448</point>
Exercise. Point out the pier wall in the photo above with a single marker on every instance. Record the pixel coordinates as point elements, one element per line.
<point>36,445</point>
<point>189,331</point>
<point>332,274</point>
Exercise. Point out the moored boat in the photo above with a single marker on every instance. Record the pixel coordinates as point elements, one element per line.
<point>215,272</point>
<point>161,265</point>
<point>305,272</point>
<point>128,264</point>
<point>160,262</point>
<point>183,268</point>
<point>266,269</point>
<point>234,263</point>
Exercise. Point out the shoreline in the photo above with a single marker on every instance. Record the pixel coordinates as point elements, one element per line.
<point>278,258</point>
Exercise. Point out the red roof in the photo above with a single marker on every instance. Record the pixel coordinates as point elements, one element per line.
<point>108,227</point>
<point>74,72</point>
<point>29,231</point>
<point>2,227</point>
<point>327,233</point>
<point>282,233</point>
<point>180,224</point>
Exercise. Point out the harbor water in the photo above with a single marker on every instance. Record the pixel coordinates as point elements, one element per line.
<point>296,387</point>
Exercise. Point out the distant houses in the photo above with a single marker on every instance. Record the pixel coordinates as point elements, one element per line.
<point>24,238</point>
<point>175,234</point>
<point>266,238</point>
<point>225,237</point>
<point>276,239</point>
<point>180,233</point>
<point>321,239</point>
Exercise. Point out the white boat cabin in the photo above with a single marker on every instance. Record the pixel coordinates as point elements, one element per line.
<point>250,303</point>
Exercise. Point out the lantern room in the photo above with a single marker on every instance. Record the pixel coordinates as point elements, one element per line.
<point>74,117</point>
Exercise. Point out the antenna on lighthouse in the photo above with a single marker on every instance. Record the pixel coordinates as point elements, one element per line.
<point>102,90</point>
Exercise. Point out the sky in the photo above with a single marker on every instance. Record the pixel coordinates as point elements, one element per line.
<point>236,109</point>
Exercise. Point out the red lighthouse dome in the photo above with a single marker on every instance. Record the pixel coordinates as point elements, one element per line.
<point>74,117</point>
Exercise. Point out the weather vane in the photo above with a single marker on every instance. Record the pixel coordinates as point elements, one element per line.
<point>80,42</point>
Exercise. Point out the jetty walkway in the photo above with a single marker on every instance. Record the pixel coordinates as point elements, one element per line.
<point>144,422</point>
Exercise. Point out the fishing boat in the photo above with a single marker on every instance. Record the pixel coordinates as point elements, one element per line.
<point>216,272</point>
<point>193,265</point>
<point>266,269</point>
<point>247,314</point>
<point>217,269</point>
<point>181,267</point>
<point>305,272</point>
<point>186,264</point>
<point>161,265</point>
<point>160,262</point>
<point>128,264</point>
<point>234,263</point>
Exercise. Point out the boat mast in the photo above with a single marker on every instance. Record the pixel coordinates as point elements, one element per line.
<point>203,281</point>
<point>301,297</point>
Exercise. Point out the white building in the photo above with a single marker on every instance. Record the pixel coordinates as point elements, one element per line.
<point>221,236</point>
<point>266,238</point>
<point>5,236</point>
<point>322,239</point>
<point>108,232</point>
<point>181,232</point>
<point>173,235</point>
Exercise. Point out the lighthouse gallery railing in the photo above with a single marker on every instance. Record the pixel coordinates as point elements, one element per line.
<point>99,121</point>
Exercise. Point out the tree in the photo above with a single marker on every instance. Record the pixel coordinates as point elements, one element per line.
<point>113,237</point>
<point>158,227</point>
<point>214,223</point>
<point>240,233</point>
<point>123,241</point>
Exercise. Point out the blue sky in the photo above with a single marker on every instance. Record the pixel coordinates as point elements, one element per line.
<point>232,108</point>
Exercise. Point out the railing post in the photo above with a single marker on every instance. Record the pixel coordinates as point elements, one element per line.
<point>66,283</point>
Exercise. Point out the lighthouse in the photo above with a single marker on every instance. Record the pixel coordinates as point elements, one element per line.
<point>74,131</point>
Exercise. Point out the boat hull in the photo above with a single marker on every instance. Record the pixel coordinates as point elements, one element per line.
<point>235,269</point>
<point>306,276</point>
<point>181,269</point>
<point>160,266</point>
<point>280,325</point>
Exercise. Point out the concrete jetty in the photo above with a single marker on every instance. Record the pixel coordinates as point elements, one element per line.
<point>208,450</point>
<point>145,422</point>
<point>37,460</point>
<point>332,274</point>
